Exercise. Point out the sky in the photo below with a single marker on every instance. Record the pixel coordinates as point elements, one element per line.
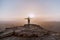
<point>46,10</point>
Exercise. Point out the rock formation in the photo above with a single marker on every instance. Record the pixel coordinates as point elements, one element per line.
<point>32,32</point>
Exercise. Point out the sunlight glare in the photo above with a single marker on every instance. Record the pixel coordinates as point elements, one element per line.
<point>31,15</point>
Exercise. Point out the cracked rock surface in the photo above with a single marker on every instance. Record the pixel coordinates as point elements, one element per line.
<point>34,32</point>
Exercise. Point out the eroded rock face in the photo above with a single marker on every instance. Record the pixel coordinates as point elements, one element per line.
<point>33,32</point>
<point>31,38</point>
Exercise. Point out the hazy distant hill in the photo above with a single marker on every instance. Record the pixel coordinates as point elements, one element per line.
<point>52,25</point>
<point>55,26</point>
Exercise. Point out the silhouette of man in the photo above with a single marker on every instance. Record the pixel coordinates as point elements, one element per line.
<point>28,20</point>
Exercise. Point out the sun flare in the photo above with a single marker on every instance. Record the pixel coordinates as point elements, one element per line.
<point>31,15</point>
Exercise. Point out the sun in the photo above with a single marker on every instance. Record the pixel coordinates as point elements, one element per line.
<point>31,15</point>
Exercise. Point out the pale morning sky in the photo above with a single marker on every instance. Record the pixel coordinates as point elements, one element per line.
<point>48,10</point>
